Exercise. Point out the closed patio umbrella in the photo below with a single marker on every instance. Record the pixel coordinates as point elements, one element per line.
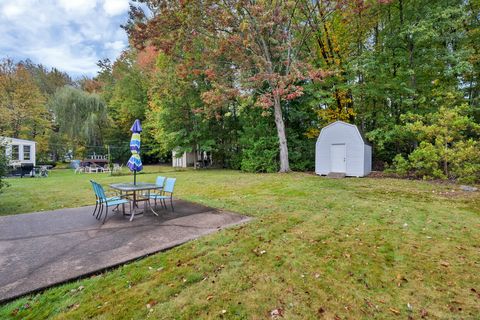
<point>135,163</point>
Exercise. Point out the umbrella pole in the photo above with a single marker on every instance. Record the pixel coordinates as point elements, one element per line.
<point>134,177</point>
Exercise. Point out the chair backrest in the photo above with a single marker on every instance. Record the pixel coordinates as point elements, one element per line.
<point>160,181</point>
<point>169,185</point>
<point>98,190</point>
<point>95,189</point>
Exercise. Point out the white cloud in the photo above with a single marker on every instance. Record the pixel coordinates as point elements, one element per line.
<point>71,35</point>
<point>78,6</point>
<point>115,7</point>
<point>12,10</point>
<point>115,45</point>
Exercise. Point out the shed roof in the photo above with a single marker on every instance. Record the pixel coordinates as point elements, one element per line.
<point>7,139</point>
<point>360,133</point>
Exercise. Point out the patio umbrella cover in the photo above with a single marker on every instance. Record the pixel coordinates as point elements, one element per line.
<point>135,163</point>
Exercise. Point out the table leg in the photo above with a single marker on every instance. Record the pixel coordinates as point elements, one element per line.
<point>132,212</point>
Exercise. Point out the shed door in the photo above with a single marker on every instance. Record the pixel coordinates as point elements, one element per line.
<point>338,158</point>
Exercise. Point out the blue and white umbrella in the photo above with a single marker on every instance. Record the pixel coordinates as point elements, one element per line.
<point>135,162</point>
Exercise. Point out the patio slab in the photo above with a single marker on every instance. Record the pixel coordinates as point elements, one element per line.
<point>42,249</point>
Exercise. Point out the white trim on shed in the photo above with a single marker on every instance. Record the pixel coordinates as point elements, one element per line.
<point>341,148</point>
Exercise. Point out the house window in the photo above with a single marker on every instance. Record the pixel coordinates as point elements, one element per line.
<point>15,153</point>
<point>26,152</point>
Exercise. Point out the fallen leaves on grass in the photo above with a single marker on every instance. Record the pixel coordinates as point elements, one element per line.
<point>444,263</point>
<point>210,297</point>
<point>151,303</point>
<point>400,279</point>
<point>276,313</point>
<point>475,291</point>
<point>259,252</point>
<point>77,289</point>
<point>394,310</point>
<point>423,313</point>
<point>73,306</point>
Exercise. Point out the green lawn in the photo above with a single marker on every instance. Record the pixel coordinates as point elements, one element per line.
<point>317,248</point>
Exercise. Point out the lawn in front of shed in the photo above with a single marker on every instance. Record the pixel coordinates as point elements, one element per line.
<point>351,248</point>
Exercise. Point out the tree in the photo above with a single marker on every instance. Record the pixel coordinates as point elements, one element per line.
<point>81,116</point>
<point>3,167</point>
<point>249,46</point>
<point>22,105</point>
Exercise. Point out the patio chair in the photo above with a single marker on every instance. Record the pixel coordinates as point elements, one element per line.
<point>167,193</point>
<point>43,171</point>
<point>117,167</point>
<point>79,169</point>
<point>99,200</point>
<point>159,182</point>
<point>103,200</point>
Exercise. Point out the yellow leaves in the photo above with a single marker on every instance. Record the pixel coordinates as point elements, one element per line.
<point>342,114</point>
<point>312,133</point>
<point>244,26</point>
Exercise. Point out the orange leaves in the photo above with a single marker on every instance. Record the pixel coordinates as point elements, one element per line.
<point>146,58</point>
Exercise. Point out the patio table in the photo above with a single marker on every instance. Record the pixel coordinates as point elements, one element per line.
<point>133,189</point>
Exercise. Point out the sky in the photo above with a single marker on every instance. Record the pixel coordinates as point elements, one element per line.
<point>70,35</point>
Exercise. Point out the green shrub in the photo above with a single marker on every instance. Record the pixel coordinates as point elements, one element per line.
<point>424,161</point>
<point>3,169</point>
<point>465,162</point>
<point>448,145</point>
<point>261,156</point>
<point>400,165</point>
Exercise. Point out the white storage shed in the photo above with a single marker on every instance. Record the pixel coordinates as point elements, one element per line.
<point>183,160</point>
<point>341,148</point>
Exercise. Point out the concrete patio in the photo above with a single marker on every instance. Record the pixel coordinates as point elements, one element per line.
<point>41,249</point>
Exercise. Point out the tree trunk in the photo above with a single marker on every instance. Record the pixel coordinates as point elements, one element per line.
<point>282,138</point>
<point>194,157</point>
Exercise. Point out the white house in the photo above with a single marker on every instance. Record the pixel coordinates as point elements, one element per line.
<point>341,148</point>
<point>19,151</point>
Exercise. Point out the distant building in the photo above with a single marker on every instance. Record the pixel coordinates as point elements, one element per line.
<point>183,160</point>
<point>19,151</point>
<point>342,149</point>
<point>187,159</point>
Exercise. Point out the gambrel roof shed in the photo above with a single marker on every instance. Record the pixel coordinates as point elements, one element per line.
<point>341,148</point>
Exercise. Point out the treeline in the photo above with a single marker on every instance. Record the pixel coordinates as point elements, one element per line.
<point>253,82</point>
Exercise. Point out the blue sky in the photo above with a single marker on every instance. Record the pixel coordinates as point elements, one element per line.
<point>71,35</point>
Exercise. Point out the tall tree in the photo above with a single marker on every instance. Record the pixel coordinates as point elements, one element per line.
<point>22,105</point>
<point>256,43</point>
<point>81,116</point>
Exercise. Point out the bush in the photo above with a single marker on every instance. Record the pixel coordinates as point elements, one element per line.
<point>424,161</point>
<point>465,162</point>
<point>258,141</point>
<point>3,170</point>
<point>261,156</point>
<point>400,165</point>
<point>448,146</point>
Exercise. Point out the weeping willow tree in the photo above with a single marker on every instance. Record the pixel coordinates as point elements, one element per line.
<point>80,117</point>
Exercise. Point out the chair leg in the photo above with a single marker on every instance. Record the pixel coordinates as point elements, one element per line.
<point>100,211</point>
<point>106,214</point>
<point>164,204</point>
<point>171,202</point>
<point>96,205</point>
